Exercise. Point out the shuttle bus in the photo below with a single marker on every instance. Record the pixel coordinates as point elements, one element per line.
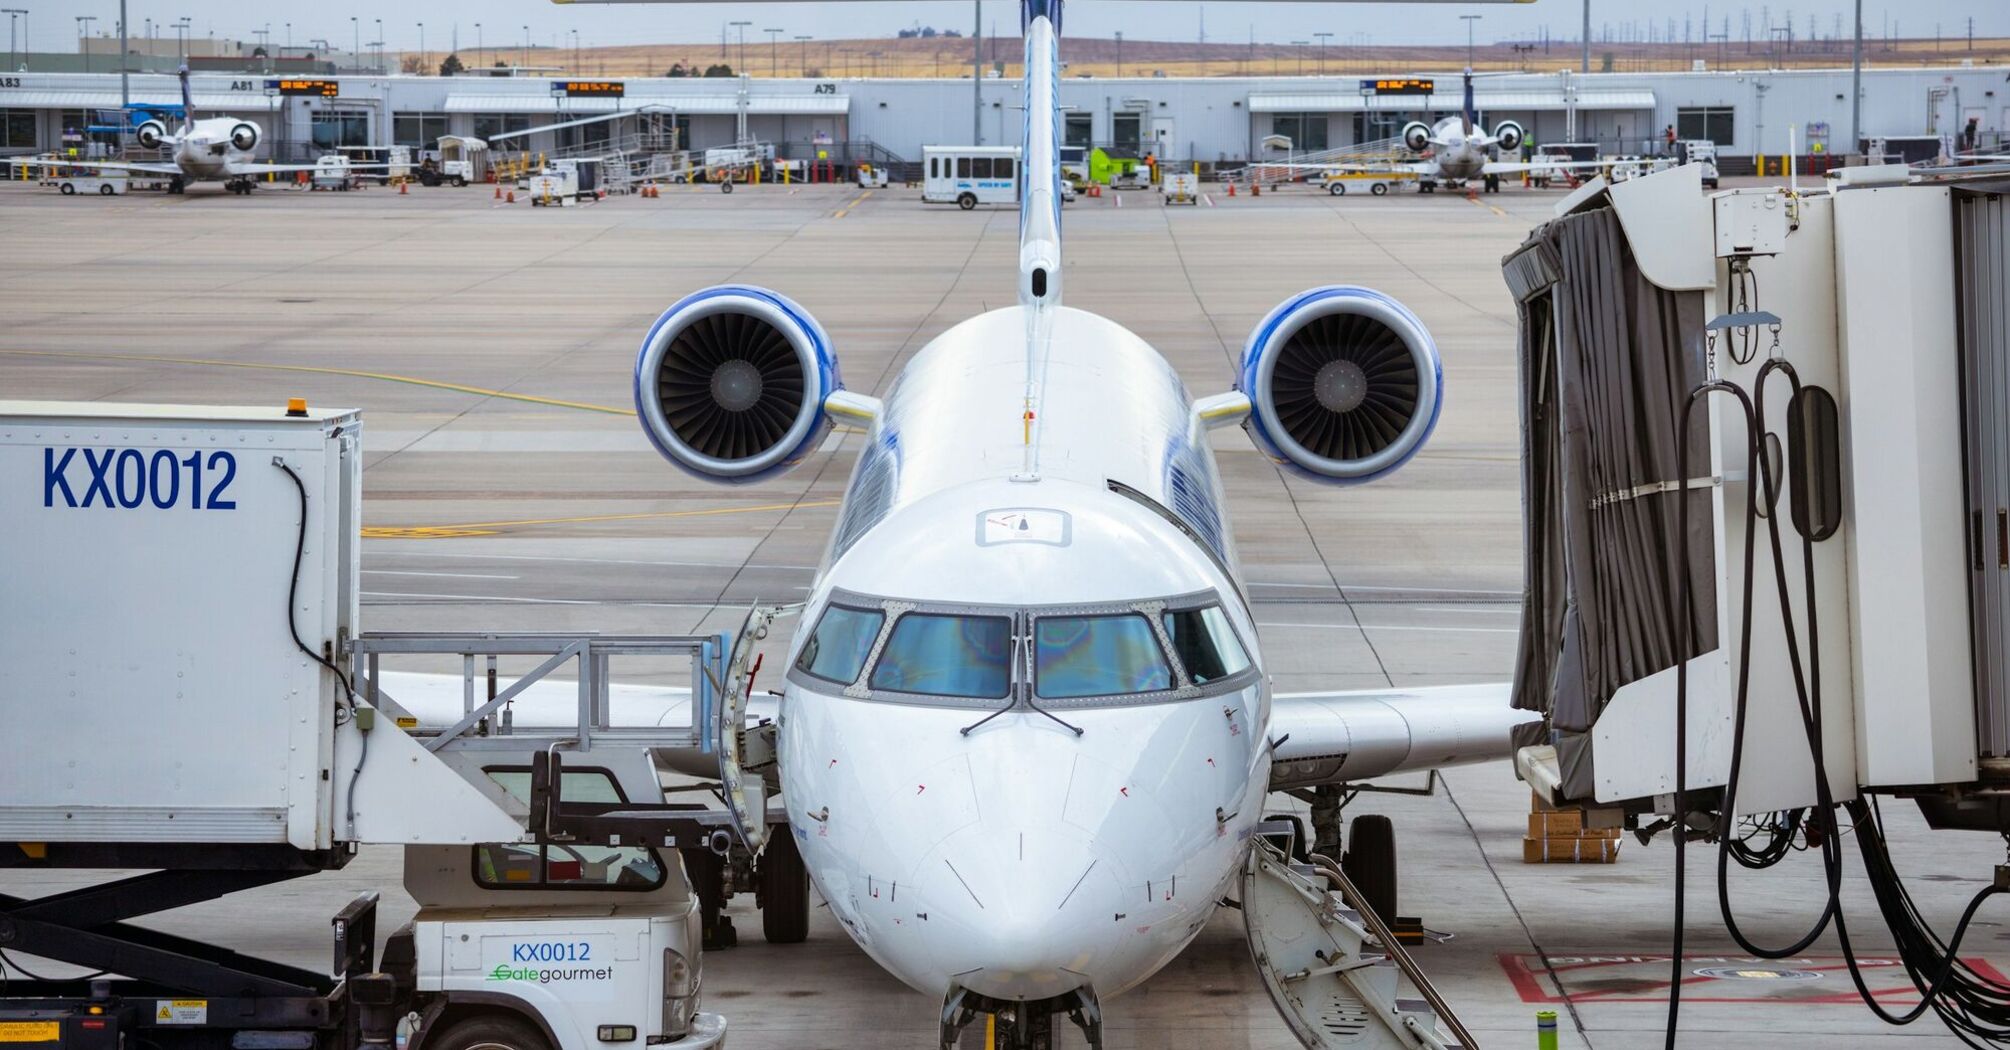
<point>967,176</point>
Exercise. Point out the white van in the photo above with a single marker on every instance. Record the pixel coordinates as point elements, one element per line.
<point>967,176</point>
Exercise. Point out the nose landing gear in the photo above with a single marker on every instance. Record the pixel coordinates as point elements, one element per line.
<point>1020,1025</point>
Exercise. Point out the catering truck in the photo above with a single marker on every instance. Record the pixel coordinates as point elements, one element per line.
<point>185,691</point>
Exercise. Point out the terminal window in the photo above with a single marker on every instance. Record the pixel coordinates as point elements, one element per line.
<point>1709,123</point>
<point>17,129</point>
<point>1307,131</point>
<point>337,127</point>
<point>418,130</point>
<point>1076,130</point>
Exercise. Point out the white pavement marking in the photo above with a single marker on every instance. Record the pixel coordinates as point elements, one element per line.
<point>451,575</point>
<point>1395,627</point>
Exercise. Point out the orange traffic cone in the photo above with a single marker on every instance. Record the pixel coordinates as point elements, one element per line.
<point>403,189</point>
<point>511,199</point>
<point>498,195</point>
<point>1231,189</point>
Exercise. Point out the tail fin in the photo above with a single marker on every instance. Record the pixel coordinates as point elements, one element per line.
<point>1466,110</point>
<point>187,99</point>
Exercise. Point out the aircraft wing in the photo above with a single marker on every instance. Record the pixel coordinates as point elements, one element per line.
<point>1418,168</point>
<point>275,169</point>
<point>1498,167</point>
<point>1354,735</point>
<point>105,165</point>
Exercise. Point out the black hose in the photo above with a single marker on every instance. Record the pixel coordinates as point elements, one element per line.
<point>292,595</point>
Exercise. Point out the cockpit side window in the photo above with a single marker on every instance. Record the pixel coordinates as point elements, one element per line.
<point>1205,643</point>
<point>937,654</point>
<point>837,649</point>
<point>1075,656</point>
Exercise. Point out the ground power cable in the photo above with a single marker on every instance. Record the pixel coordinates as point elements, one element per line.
<point>1921,950</point>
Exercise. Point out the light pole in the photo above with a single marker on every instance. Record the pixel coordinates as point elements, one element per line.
<point>1120,54</point>
<point>13,56</point>
<point>422,48</point>
<point>526,47</point>
<point>1469,20</point>
<point>1856,84</point>
<point>774,60</point>
<point>805,42</point>
<point>1300,45</point>
<point>355,43</point>
<point>1322,38</point>
<point>264,44</point>
<point>977,75</point>
<point>741,28</point>
<point>1585,65</point>
<point>380,44</point>
<point>181,29</point>
<point>84,38</point>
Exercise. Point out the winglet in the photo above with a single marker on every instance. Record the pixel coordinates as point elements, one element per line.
<point>187,99</point>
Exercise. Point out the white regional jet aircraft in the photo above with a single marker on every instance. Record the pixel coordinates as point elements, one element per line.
<point>1460,149</point>
<point>217,149</point>
<point>1026,732</point>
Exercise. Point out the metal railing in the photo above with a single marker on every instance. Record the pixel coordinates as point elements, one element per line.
<point>1398,954</point>
<point>484,698</point>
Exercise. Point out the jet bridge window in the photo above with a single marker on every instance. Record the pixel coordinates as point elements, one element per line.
<point>837,649</point>
<point>1205,643</point>
<point>1075,656</point>
<point>936,654</point>
<point>563,866</point>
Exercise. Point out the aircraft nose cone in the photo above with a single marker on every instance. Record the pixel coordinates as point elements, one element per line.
<point>1029,910</point>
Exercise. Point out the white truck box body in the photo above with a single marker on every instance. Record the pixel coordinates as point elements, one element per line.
<point>149,688</point>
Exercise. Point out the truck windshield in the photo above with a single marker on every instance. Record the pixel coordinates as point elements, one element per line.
<point>837,649</point>
<point>525,866</point>
<point>1097,656</point>
<point>1205,644</point>
<point>936,654</point>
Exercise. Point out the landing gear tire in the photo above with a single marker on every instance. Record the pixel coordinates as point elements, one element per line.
<point>726,186</point>
<point>1379,189</point>
<point>1337,189</point>
<point>175,186</point>
<point>489,1033</point>
<point>967,201</point>
<point>1370,862</point>
<point>784,890</point>
<point>1493,184</point>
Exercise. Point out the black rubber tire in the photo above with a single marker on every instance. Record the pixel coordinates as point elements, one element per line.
<point>1337,189</point>
<point>1379,189</point>
<point>726,186</point>
<point>68,190</point>
<point>967,201</point>
<point>106,190</point>
<point>784,890</point>
<point>459,182</point>
<point>489,1032</point>
<point>1370,861</point>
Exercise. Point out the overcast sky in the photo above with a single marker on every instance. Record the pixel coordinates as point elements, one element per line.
<point>54,26</point>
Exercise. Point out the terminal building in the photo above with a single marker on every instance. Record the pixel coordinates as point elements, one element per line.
<point>1213,120</point>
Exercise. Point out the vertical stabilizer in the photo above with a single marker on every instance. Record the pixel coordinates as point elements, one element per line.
<point>187,101</point>
<point>1466,108</point>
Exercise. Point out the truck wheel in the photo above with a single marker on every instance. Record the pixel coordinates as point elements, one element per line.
<point>785,890</point>
<point>726,186</point>
<point>1370,861</point>
<point>69,190</point>
<point>966,201</point>
<point>1337,189</point>
<point>1379,189</point>
<point>459,182</point>
<point>106,190</point>
<point>490,1032</point>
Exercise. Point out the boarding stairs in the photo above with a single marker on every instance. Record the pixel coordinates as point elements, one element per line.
<point>1332,967</point>
<point>1298,167</point>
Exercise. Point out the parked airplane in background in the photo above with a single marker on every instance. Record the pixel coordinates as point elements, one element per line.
<point>217,149</point>
<point>1460,150</point>
<point>1026,731</point>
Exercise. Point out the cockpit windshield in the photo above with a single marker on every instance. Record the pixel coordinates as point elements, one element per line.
<point>939,655</point>
<point>1149,651</point>
<point>1097,656</point>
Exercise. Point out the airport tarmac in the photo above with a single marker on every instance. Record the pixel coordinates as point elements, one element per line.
<point>507,487</point>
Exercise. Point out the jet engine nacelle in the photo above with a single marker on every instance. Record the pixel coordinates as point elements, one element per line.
<point>151,134</point>
<point>1417,136</point>
<point>244,136</point>
<point>1343,382</point>
<point>1509,135</point>
<point>731,382</point>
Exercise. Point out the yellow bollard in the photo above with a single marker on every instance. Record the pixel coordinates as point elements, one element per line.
<point>1761,158</point>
